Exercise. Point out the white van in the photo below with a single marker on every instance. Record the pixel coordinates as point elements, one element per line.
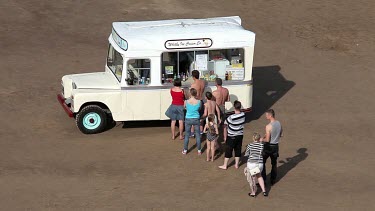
<point>144,58</point>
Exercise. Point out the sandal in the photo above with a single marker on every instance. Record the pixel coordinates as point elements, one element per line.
<point>251,195</point>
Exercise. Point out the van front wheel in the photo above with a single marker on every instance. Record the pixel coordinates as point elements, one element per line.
<point>91,119</point>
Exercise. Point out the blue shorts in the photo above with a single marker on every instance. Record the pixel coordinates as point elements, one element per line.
<point>175,112</point>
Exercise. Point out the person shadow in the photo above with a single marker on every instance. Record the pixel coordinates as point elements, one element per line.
<point>288,164</point>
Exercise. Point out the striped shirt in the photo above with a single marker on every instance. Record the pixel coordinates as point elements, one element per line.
<point>254,151</point>
<point>235,124</point>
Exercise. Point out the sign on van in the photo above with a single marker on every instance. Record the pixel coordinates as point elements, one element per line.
<point>189,43</point>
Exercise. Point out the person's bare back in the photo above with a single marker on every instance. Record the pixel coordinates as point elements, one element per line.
<point>198,84</point>
<point>211,107</point>
<point>221,95</point>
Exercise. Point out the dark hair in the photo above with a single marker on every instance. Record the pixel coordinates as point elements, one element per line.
<point>271,111</point>
<point>219,81</point>
<point>195,74</point>
<point>193,92</point>
<point>209,95</point>
<point>177,82</point>
<point>237,105</point>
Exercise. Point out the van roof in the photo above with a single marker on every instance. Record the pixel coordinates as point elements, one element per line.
<point>152,35</point>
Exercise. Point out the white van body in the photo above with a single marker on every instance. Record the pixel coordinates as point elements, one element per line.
<point>148,40</point>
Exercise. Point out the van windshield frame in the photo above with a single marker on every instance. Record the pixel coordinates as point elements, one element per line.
<point>115,62</point>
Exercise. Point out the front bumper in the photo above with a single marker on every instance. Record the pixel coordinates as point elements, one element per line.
<point>66,108</point>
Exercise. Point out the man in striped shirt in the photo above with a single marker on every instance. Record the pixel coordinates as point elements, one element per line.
<point>233,135</point>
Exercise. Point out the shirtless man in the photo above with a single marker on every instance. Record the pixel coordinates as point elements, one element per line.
<point>210,107</point>
<point>221,96</point>
<point>197,84</point>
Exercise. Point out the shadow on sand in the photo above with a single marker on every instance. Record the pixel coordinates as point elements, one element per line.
<point>152,123</point>
<point>269,87</point>
<point>288,164</point>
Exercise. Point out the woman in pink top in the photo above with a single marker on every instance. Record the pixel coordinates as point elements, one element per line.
<point>176,109</point>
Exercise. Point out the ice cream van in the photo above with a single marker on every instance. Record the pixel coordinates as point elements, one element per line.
<point>143,59</point>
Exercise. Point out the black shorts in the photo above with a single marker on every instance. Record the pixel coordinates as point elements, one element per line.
<point>271,150</point>
<point>233,143</point>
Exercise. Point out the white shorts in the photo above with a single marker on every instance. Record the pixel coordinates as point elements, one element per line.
<point>253,165</point>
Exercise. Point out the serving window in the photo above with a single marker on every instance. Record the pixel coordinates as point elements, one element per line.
<point>227,64</point>
<point>138,72</point>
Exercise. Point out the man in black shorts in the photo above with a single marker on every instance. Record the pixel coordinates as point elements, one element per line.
<point>233,135</point>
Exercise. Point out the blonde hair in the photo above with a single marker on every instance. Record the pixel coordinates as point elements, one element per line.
<point>256,137</point>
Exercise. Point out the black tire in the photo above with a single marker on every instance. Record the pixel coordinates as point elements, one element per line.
<point>91,119</point>
<point>110,122</point>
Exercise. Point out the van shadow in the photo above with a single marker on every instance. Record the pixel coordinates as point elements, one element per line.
<point>269,86</point>
<point>288,164</point>
<point>152,123</point>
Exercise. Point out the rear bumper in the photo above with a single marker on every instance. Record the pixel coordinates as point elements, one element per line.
<point>66,108</point>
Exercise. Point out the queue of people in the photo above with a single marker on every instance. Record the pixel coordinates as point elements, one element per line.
<point>198,117</point>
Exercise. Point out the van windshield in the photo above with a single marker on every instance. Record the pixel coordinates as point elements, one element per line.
<point>115,62</point>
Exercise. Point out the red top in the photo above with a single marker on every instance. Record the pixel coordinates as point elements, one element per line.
<point>177,98</point>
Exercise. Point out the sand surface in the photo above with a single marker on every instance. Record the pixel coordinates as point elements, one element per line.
<point>313,64</point>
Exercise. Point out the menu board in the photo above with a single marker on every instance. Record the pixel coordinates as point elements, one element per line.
<point>237,73</point>
<point>201,61</point>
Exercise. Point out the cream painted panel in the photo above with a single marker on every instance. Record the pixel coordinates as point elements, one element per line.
<point>166,100</point>
<point>243,93</point>
<point>143,104</point>
<point>111,98</point>
<point>249,55</point>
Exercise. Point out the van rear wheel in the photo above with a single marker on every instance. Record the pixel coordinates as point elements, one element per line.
<point>91,119</point>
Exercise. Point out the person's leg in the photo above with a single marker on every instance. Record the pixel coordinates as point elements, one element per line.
<point>228,153</point>
<point>213,143</point>
<point>274,156</point>
<point>264,173</point>
<point>197,134</point>
<point>261,183</point>
<point>173,128</point>
<point>237,150</point>
<point>181,128</point>
<point>201,112</point>
<point>208,143</point>
<point>225,165</point>
<point>253,187</point>
<point>187,134</point>
<point>192,130</point>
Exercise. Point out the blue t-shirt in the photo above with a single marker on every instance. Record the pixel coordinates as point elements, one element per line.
<point>192,111</point>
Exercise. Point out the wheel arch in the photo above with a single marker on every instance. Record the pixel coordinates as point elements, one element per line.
<point>100,104</point>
